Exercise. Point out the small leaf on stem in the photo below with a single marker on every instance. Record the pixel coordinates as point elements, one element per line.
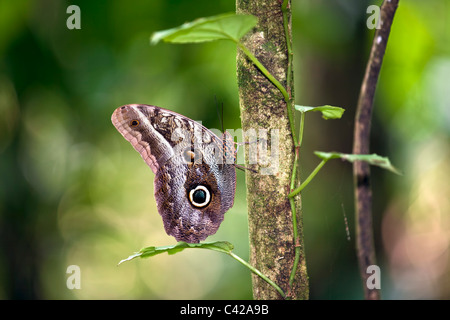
<point>328,112</point>
<point>228,26</point>
<point>372,159</point>
<point>220,246</point>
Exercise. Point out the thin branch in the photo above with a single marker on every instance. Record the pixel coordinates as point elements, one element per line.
<point>361,172</point>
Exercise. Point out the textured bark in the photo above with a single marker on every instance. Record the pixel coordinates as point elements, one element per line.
<point>263,107</point>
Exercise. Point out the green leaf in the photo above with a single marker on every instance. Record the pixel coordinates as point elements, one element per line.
<point>328,112</point>
<point>225,26</point>
<point>372,159</point>
<point>220,246</point>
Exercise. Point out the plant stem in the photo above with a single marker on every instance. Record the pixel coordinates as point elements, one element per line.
<point>307,180</point>
<point>297,143</point>
<point>275,82</point>
<point>264,70</point>
<point>294,170</point>
<point>294,221</point>
<point>257,272</point>
<point>296,243</point>
<point>302,125</point>
<point>284,10</point>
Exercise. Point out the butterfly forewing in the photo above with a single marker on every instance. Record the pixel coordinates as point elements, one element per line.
<point>195,176</point>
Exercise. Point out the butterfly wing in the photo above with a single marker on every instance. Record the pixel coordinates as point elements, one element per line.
<point>195,175</point>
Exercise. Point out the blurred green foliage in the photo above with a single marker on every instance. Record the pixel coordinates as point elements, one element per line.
<point>73,191</point>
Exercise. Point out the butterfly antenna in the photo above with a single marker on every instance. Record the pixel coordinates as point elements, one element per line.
<point>237,166</point>
<point>223,130</point>
<point>219,112</point>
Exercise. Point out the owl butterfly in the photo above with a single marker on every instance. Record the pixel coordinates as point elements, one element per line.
<point>195,176</point>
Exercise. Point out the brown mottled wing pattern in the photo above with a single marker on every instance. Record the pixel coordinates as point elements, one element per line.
<point>192,193</point>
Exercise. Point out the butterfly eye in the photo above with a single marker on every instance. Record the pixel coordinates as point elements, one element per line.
<point>199,196</point>
<point>134,123</point>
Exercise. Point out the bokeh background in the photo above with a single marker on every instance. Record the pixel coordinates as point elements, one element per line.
<point>74,192</point>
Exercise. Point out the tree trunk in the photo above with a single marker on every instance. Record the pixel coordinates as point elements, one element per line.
<point>263,107</point>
